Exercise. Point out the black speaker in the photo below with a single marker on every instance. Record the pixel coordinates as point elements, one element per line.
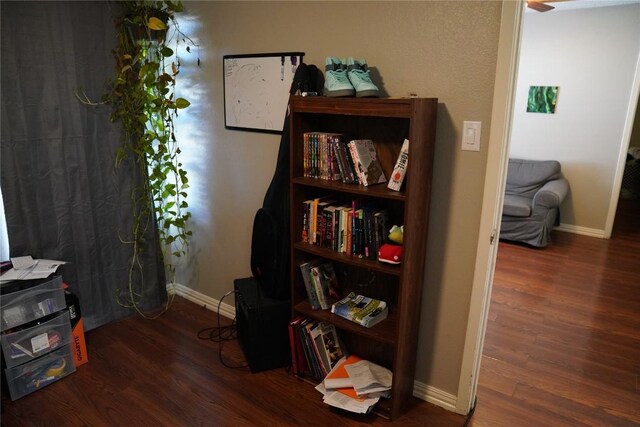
<point>263,326</point>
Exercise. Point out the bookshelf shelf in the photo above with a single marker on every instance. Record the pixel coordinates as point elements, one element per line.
<point>387,122</point>
<point>348,259</point>
<point>379,190</point>
<point>383,332</point>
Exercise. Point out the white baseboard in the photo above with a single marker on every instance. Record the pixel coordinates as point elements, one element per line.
<point>435,396</point>
<point>585,231</point>
<point>226,310</point>
<point>421,391</point>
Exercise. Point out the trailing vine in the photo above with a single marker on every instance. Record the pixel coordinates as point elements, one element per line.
<point>142,94</point>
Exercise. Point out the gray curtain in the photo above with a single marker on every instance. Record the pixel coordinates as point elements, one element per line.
<point>63,197</point>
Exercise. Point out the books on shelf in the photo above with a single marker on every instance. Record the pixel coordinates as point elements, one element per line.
<point>319,159</point>
<point>366,162</point>
<point>329,156</point>
<point>400,170</point>
<point>315,347</point>
<point>360,309</point>
<point>354,228</point>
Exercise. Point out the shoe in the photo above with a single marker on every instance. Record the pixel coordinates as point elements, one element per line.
<point>358,73</point>
<point>336,82</point>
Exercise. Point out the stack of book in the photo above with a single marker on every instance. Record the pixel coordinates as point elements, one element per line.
<point>355,384</point>
<point>354,228</point>
<point>315,347</point>
<point>328,156</point>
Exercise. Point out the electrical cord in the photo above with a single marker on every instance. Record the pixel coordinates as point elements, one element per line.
<point>219,334</point>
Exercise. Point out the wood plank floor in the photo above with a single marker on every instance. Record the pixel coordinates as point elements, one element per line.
<point>562,348</point>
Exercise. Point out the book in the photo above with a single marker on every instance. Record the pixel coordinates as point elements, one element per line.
<point>318,348</point>
<point>345,164</point>
<point>312,297</point>
<point>366,161</point>
<point>339,378</point>
<point>400,169</point>
<point>306,327</point>
<point>298,360</point>
<point>360,309</point>
<point>331,344</point>
<point>325,284</point>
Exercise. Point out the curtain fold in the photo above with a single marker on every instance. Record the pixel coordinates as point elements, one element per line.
<point>63,197</point>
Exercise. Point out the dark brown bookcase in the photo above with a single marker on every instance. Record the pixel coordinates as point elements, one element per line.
<point>393,342</point>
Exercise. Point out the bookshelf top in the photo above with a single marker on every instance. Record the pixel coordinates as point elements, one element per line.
<point>381,107</point>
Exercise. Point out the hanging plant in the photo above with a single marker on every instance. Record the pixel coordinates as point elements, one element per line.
<point>142,94</point>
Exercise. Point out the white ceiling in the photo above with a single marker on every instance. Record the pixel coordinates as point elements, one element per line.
<point>581,4</point>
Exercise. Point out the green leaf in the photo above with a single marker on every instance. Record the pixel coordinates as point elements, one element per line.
<point>182,103</point>
<point>166,51</point>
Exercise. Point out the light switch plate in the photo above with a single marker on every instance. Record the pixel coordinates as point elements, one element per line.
<point>471,132</point>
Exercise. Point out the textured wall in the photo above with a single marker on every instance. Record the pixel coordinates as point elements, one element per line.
<point>435,49</point>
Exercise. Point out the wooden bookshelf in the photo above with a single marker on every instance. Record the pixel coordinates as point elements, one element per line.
<point>393,342</point>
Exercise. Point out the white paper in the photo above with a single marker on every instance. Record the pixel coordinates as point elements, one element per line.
<point>368,377</point>
<point>340,400</point>
<point>29,269</point>
<point>22,262</point>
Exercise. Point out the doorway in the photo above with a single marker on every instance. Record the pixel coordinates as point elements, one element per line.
<point>501,132</point>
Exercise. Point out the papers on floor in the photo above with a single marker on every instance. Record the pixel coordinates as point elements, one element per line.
<point>27,268</point>
<point>355,385</point>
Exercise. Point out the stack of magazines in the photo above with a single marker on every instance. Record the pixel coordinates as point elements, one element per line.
<point>360,309</point>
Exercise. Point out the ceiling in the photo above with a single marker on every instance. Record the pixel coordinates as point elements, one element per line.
<point>583,4</point>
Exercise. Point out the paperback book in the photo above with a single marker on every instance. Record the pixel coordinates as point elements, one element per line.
<point>360,309</point>
<point>366,161</point>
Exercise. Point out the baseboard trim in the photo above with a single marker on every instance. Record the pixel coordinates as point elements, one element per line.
<point>207,302</point>
<point>435,396</point>
<point>420,390</point>
<point>585,231</point>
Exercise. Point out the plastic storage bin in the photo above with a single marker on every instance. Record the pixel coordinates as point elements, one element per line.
<point>29,343</point>
<point>30,304</point>
<point>34,375</point>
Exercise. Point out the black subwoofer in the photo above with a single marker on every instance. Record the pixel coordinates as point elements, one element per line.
<point>262,326</point>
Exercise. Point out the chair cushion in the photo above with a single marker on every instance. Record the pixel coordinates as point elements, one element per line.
<point>516,206</point>
<point>525,177</point>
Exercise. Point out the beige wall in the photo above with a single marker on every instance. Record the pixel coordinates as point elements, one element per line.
<point>444,49</point>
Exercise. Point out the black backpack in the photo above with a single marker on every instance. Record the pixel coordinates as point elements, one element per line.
<point>270,259</point>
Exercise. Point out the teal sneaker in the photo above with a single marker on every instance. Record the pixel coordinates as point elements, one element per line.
<point>358,73</point>
<point>336,82</point>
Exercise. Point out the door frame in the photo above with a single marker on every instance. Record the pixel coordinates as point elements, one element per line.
<point>495,179</point>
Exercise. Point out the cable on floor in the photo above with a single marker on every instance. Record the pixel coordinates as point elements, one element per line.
<point>219,334</point>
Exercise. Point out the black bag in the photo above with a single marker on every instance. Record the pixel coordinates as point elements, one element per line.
<point>270,239</point>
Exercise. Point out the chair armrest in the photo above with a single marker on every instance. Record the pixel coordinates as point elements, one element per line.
<point>551,194</point>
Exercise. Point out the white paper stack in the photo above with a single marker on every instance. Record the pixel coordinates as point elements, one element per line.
<point>355,385</point>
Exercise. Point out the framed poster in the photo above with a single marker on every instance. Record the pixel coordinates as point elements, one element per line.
<point>256,90</point>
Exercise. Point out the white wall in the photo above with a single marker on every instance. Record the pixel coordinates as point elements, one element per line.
<point>591,55</point>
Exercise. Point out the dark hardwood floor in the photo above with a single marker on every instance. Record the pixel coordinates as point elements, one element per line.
<point>562,348</point>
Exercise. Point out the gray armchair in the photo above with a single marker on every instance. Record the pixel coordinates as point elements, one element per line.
<point>535,189</point>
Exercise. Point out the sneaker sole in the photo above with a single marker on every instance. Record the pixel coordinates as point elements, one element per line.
<point>367,94</point>
<point>338,93</point>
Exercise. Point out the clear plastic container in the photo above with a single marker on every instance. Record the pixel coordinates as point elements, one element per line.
<point>32,376</point>
<point>30,343</point>
<point>32,303</point>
